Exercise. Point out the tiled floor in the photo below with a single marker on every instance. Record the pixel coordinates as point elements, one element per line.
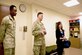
<point>73,51</point>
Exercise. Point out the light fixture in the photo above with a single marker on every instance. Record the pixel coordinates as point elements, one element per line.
<point>80,13</point>
<point>71,3</point>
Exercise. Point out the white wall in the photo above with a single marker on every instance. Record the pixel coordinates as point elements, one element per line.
<point>50,19</point>
<point>81,30</point>
<point>23,47</point>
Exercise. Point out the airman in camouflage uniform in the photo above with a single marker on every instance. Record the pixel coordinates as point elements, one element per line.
<point>38,33</point>
<point>7,32</point>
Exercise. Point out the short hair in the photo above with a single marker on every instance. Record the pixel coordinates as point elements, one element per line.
<point>11,7</point>
<point>39,13</point>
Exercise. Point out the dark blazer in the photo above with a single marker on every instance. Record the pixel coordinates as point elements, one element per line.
<point>58,35</point>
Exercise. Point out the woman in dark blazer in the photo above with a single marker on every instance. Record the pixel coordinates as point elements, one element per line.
<point>60,38</point>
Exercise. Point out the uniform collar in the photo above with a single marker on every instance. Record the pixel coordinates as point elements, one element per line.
<point>39,21</point>
<point>11,18</point>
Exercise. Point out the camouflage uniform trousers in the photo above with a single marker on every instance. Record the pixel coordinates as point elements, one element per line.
<point>39,50</point>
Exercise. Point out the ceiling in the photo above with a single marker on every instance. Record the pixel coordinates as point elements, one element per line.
<point>58,6</point>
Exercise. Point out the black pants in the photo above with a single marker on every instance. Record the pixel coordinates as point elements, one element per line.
<point>60,48</point>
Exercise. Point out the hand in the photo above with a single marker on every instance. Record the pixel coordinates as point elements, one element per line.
<point>64,38</point>
<point>61,38</point>
<point>43,32</point>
